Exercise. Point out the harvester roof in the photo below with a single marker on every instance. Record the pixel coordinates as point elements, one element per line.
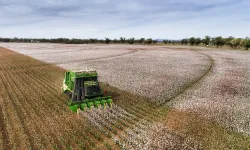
<point>84,71</point>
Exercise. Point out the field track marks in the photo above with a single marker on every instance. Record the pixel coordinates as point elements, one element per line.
<point>91,59</point>
<point>192,83</point>
<point>223,96</point>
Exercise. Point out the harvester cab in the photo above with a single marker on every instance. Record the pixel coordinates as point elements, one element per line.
<point>84,90</point>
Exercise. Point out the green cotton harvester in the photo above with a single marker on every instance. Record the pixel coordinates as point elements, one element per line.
<point>84,90</point>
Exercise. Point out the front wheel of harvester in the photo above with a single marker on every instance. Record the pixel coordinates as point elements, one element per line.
<point>68,93</point>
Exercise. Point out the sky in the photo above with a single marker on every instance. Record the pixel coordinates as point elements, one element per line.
<point>158,19</point>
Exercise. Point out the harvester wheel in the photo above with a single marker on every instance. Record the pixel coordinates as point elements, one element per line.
<point>68,93</point>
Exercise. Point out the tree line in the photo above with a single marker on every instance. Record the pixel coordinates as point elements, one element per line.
<point>206,41</point>
<point>219,41</point>
<point>122,40</point>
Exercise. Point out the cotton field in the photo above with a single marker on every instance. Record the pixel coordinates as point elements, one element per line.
<point>164,97</point>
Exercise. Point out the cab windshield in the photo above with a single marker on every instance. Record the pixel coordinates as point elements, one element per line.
<point>92,90</point>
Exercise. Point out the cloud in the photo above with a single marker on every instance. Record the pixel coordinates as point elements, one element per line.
<point>130,18</point>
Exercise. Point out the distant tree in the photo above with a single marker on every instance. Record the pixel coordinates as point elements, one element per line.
<point>184,41</point>
<point>228,41</point>
<point>122,40</point>
<point>206,40</point>
<point>115,41</point>
<point>236,42</point>
<point>218,41</point>
<point>101,41</point>
<point>149,41</point>
<point>44,40</point>
<point>197,41</point>
<point>141,41</point>
<point>154,41</point>
<point>165,41</point>
<point>73,41</point>
<point>6,40</point>
<point>131,41</point>
<point>93,40</point>
<point>245,43</point>
<point>191,40</point>
<point>174,42</point>
<point>107,40</point>
<point>83,41</point>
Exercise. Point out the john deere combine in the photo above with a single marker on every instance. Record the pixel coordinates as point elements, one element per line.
<point>84,90</point>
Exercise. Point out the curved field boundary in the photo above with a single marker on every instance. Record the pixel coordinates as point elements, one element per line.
<point>194,82</point>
